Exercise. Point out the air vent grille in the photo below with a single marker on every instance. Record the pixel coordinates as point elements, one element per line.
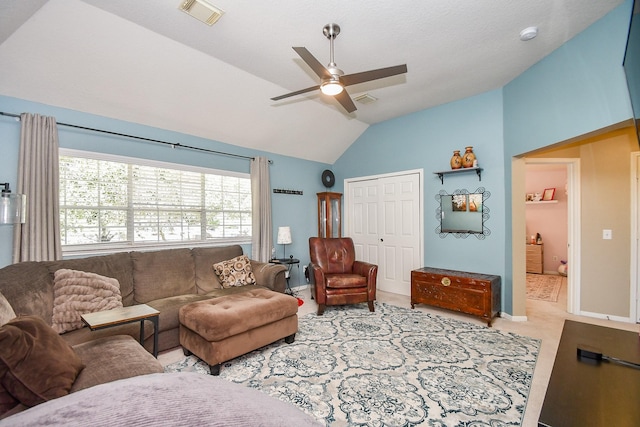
<point>202,11</point>
<point>365,99</point>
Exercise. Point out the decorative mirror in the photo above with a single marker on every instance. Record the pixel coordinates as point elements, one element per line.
<point>463,213</point>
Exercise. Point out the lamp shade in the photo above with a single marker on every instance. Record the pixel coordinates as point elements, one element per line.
<point>284,235</point>
<point>12,208</point>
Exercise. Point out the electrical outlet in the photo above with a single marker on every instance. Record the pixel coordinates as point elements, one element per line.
<point>555,257</point>
<point>607,234</point>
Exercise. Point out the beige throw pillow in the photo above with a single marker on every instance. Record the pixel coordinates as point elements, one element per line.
<point>235,272</point>
<point>76,293</point>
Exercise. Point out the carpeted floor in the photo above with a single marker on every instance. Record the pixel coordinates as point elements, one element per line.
<point>394,367</point>
<point>544,287</point>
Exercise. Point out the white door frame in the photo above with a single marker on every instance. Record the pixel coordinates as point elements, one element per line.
<point>573,226</point>
<point>347,214</point>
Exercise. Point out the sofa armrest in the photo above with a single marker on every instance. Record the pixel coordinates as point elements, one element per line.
<point>270,275</point>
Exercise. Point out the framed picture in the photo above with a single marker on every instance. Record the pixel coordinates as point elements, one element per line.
<point>548,194</point>
<point>529,197</point>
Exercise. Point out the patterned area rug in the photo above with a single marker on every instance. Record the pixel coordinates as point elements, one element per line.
<point>394,367</point>
<point>544,287</point>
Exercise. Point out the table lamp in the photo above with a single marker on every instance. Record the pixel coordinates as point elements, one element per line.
<point>284,238</point>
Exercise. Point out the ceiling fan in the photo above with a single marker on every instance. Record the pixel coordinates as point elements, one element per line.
<point>333,79</point>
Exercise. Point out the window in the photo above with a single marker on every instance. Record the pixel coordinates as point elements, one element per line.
<point>113,201</point>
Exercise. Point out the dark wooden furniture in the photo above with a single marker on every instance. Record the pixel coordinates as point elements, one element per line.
<point>119,316</point>
<point>329,214</point>
<point>586,393</point>
<point>471,293</point>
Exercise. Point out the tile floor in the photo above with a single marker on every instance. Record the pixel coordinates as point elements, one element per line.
<point>544,321</point>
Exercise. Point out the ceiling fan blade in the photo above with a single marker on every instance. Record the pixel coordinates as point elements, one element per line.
<point>312,62</point>
<point>298,92</point>
<point>380,73</point>
<point>345,100</point>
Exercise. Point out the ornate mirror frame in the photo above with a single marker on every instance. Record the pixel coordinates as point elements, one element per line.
<point>485,214</point>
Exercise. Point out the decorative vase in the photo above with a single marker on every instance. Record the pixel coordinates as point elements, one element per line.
<point>468,157</point>
<point>456,160</point>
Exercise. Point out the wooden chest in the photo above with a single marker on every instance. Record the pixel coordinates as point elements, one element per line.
<point>471,293</point>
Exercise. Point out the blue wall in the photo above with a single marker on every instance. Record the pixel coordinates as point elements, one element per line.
<point>298,212</point>
<point>577,89</point>
<point>426,140</point>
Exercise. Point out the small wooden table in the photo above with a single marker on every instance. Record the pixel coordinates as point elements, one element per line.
<point>120,316</point>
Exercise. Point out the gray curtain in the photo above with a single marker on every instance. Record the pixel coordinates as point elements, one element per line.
<point>38,239</point>
<point>261,228</point>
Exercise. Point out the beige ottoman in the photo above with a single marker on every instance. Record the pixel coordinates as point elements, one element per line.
<point>219,329</point>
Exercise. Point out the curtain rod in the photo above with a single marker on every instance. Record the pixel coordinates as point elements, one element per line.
<point>172,144</point>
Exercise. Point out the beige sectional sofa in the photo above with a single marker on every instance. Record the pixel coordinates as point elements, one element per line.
<point>165,280</point>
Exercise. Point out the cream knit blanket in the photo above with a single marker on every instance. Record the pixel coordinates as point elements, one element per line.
<point>77,292</point>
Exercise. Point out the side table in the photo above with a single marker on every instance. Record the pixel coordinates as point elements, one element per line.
<point>120,316</point>
<point>289,262</point>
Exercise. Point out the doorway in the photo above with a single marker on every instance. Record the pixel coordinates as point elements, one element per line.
<point>572,190</point>
<point>384,217</point>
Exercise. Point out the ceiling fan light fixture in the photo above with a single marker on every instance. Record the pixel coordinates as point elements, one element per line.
<point>331,87</point>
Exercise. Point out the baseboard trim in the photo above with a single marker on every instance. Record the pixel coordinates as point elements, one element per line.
<point>513,318</point>
<point>606,317</point>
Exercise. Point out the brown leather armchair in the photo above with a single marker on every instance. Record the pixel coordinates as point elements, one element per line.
<point>336,277</point>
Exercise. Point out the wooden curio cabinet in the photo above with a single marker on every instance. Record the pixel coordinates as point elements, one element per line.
<point>329,214</point>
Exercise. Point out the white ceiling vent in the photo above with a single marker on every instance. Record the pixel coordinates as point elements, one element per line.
<point>202,11</point>
<point>365,99</point>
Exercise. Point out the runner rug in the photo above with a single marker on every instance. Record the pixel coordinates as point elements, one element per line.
<point>394,367</point>
<point>544,287</point>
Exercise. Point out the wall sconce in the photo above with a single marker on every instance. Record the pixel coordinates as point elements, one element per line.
<point>284,238</point>
<point>13,207</point>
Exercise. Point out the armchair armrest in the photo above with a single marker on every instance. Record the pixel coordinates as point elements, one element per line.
<point>370,271</point>
<point>270,275</point>
<point>365,269</point>
<point>317,282</point>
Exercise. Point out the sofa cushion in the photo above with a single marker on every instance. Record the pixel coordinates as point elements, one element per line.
<point>76,293</point>
<point>235,272</point>
<point>162,274</point>
<point>113,358</point>
<point>169,307</point>
<point>36,363</point>
<point>117,266</point>
<point>6,311</point>
<point>204,258</point>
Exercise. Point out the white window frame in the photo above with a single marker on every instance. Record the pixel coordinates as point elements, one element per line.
<point>107,248</point>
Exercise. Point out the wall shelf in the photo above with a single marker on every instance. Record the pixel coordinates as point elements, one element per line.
<point>441,174</point>
<point>541,202</point>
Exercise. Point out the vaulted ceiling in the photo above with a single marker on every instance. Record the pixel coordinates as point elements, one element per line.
<point>147,62</point>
